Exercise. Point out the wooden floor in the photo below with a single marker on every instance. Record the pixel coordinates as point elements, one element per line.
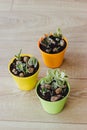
<point>22,23</point>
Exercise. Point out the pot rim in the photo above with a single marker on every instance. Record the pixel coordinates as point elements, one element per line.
<point>11,60</point>
<point>54,53</point>
<point>68,84</point>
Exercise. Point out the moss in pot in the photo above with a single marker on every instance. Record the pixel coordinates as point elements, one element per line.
<point>53,91</point>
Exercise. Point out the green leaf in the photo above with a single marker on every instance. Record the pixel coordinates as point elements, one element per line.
<point>18,57</point>
<point>46,80</point>
<point>58,33</point>
<point>20,66</point>
<point>54,85</point>
<point>33,61</point>
<point>43,91</point>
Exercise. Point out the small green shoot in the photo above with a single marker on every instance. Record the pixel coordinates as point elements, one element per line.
<point>58,33</point>
<point>18,57</point>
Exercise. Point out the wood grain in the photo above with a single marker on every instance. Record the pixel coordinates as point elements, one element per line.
<point>25,105</point>
<point>22,23</point>
<point>9,125</point>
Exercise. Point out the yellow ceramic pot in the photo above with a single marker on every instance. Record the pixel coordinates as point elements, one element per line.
<point>24,83</point>
<point>52,60</point>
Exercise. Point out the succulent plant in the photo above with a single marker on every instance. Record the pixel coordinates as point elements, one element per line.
<point>24,65</point>
<point>53,43</point>
<point>54,84</point>
<point>33,61</point>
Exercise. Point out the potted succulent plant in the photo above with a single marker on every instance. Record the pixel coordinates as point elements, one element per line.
<point>24,69</point>
<point>52,47</point>
<point>53,91</point>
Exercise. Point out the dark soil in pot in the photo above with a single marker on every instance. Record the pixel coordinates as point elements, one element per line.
<point>48,93</point>
<point>22,68</point>
<point>53,44</point>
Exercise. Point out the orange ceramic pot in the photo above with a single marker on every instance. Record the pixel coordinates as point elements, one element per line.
<point>52,60</point>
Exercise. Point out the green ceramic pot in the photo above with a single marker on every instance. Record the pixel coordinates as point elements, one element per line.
<point>53,107</point>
